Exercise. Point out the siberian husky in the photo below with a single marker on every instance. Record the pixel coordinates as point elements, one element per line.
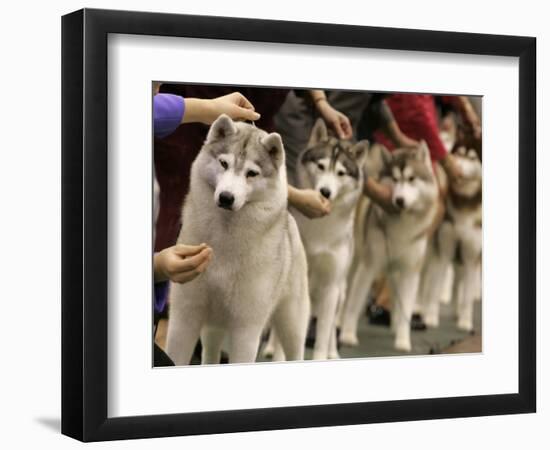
<point>395,243</point>
<point>237,204</point>
<point>457,242</point>
<point>334,168</point>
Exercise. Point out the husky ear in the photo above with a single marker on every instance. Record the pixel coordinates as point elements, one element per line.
<point>319,133</point>
<point>274,145</point>
<point>359,151</point>
<point>222,127</point>
<point>423,153</point>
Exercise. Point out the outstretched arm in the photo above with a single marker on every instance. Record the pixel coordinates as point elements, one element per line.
<point>380,194</point>
<point>338,121</point>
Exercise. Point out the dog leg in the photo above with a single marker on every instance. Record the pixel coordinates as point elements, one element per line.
<point>278,352</point>
<point>458,288</point>
<point>447,294</point>
<point>341,304</point>
<point>478,286</point>
<point>471,253</point>
<point>333,345</point>
<point>436,272</point>
<point>328,303</point>
<point>357,298</point>
<point>404,291</point>
<point>269,348</point>
<point>290,323</point>
<point>244,344</point>
<point>465,308</point>
<point>435,279</point>
<point>273,348</point>
<point>183,332</point>
<point>211,339</point>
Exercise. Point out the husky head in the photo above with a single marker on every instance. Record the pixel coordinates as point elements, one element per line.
<point>411,174</point>
<point>242,164</point>
<point>470,164</point>
<point>331,166</point>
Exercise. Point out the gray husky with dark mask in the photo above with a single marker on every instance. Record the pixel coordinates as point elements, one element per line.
<point>237,204</point>
<point>334,168</point>
<point>394,244</point>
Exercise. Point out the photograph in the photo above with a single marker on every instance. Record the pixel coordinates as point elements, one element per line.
<point>304,223</point>
<point>284,223</point>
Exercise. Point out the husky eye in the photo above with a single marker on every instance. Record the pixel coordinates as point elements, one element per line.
<point>411,179</point>
<point>223,164</point>
<point>341,173</point>
<point>321,166</point>
<point>251,174</point>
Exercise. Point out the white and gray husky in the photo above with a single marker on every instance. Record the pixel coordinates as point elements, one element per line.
<point>457,242</point>
<point>334,168</point>
<point>394,244</point>
<point>237,204</point>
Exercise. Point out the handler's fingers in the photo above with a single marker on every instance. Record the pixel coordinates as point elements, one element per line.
<point>325,203</point>
<point>243,101</point>
<point>188,250</point>
<point>192,262</point>
<point>185,277</point>
<point>346,128</point>
<point>246,114</point>
<point>338,128</point>
<point>204,265</point>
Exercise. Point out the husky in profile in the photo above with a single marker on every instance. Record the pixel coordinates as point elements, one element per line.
<point>334,168</point>
<point>457,242</point>
<point>395,243</point>
<point>237,203</point>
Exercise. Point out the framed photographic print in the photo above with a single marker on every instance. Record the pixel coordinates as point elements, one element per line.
<point>273,224</point>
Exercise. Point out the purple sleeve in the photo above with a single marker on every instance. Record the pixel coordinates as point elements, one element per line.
<point>168,110</point>
<point>161,296</point>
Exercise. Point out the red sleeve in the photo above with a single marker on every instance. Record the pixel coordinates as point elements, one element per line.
<point>417,118</point>
<point>429,131</point>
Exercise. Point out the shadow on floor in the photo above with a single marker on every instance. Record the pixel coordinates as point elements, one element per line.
<point>52,423</point>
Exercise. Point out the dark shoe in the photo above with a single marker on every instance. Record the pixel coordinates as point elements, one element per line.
<point>310,337</point>
<point>377,315</point>
<point>417,322</point>
<point>161,359</point>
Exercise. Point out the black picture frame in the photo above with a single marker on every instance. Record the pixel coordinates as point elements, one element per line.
<point>84,224</point>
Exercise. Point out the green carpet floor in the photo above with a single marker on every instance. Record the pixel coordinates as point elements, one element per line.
<point>378,340</point>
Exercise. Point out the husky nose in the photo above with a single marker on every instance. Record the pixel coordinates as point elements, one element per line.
<point>226,199</point>
<point>325,192</point>
<point>400,202</point>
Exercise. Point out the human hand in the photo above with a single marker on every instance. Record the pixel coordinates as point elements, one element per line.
<point>471,117</point>
<point>235,105</point>
<point>405,141</point>
<point>309,202</point>
<point>181,263</point>
<point>338,121</point>
<point>381,194</point>
<point>452,169</point>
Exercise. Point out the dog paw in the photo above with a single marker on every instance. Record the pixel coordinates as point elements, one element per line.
<point>268,352</point>
<point>465,325</point>
<point>320,356</point>
<point>402,345</point>
<point>431,321</point>
<point>333,355</point>
<point>349,339</point>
